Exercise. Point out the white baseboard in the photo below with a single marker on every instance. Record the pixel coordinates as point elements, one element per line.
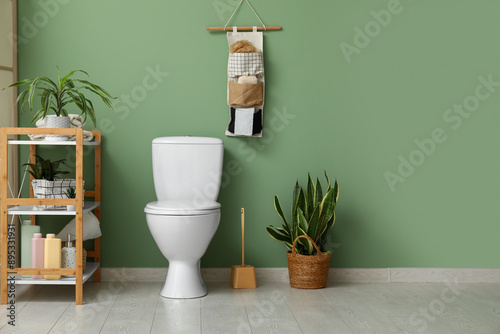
<point>367,275</point>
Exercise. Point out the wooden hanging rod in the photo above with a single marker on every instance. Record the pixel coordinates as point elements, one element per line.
<point>242,28</point>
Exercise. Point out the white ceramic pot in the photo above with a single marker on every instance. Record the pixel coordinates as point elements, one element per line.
<point>53,121</point>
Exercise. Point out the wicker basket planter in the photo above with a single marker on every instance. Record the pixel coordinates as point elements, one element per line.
<point>308,271</point>
<point>52,189</point>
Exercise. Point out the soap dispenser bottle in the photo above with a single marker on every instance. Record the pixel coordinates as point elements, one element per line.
<point>52,254</point>
<point>68,256</point>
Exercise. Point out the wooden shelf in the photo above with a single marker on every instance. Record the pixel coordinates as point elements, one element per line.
<point>31,210</point>
<point>25,206</point>
<point>90,269</point>
<point>43,142</point>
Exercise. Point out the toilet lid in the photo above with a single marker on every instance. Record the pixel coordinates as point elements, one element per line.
<point>181,208</point>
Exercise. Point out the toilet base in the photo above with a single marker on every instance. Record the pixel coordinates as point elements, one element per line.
<point>184,281</point>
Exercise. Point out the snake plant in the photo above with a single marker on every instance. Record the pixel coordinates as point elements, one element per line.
<point>58,95</point>
<point>312,214</point>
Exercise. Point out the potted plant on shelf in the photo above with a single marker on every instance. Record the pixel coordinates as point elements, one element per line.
<point>71,193</point>
<point>312,215</point>
<point>45,185</point>
<point>57,96</point>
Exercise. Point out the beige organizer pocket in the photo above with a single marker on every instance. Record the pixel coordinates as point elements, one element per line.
<point>246,94</point>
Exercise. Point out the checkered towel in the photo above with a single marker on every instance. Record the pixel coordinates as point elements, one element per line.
<point>239,63</point>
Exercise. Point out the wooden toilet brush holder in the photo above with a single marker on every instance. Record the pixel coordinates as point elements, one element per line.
<point>243,276</point>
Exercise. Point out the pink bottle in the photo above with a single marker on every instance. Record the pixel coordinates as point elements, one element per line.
<point>37,251</point>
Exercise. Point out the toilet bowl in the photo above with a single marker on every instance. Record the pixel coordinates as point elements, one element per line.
<point>187,174</point>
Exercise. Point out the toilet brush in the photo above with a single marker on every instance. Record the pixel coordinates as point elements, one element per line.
<point>243,276</point>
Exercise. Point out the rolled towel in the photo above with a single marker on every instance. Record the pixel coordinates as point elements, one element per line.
<point>76,121</point>
<point>87,136</point>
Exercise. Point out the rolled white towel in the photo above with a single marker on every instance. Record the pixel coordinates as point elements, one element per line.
<point>76,121</point>
<point>87,136</point>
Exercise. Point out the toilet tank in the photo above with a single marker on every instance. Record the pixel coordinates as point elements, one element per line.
<point>187,168</point>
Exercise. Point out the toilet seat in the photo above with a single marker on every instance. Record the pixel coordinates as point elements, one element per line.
<point>181,208</point>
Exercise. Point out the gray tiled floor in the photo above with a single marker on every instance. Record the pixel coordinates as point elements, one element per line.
<point>364,308</point>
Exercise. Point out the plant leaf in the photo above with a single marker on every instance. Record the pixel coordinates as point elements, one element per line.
<point>31,94</point>
<point>315,224</point>
<point>318,194</point>
<point>276,234</point>
<point>309,197</point>
<point>328,181</point>
<point>303,224</point>
<point>308,247</point>
<point>279,210</point>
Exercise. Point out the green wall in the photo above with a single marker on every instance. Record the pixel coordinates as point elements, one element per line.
<point>353,103</point>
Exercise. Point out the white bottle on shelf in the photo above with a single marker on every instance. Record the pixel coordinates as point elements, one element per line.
<point>68,256</point>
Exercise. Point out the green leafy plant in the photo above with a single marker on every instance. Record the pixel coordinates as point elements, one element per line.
<point>71,192</point>
<point>46,169</point>
<point>58,95</point>
<point>312,214</point>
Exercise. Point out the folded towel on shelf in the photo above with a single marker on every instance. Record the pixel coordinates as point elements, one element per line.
<point>75,121</point>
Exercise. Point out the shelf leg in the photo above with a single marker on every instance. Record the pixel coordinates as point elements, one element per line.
<point>3,216</point>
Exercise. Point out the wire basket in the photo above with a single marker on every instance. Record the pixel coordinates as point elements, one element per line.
<point>52,189</point>
<point>308,271</point>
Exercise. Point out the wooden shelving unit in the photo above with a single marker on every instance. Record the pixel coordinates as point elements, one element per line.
<point>25,206</point>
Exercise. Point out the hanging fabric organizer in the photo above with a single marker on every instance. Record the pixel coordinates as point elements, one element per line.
<point>245,78</point>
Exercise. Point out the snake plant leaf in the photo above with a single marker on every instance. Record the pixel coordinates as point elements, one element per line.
<point>315,224</point>
<point>328,212</point>
<point>272,231</point>
<point>309,197</point>
<point>318,193</point>
<point>299,203</point>
<point>283,231</point>
<point>336,190</point>
<point>309,248</point>
<point>327,205</point>
<point>279,210</point>
<point>297,191</point>
<point>295,196</point>
<point>328,181</point>
<point>313,214</point>
<point>303,224</point>
<point>331,221</point>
